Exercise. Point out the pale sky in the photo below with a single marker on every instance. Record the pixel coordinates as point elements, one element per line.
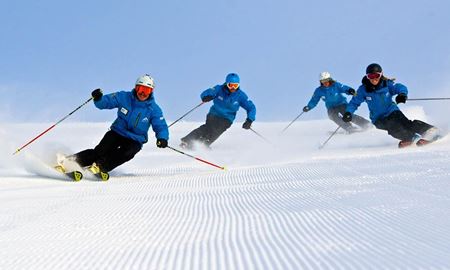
<point>54,53</point>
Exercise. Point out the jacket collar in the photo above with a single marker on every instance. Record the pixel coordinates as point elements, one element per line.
<point>138,102</point>
<point>372,88</point>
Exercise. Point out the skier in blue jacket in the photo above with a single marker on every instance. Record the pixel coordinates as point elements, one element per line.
<point>136,112</point>
<point>227,99</point>
<point>377,91</point>
<point>332,92</point>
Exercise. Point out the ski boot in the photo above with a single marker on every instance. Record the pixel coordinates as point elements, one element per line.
<point>97,172</point>
<point>186,145</point>
<point>423,142</point>
<point>68,167</point>
<point>414,140</point>
<point>404,143</point>
<point>74,175</point>
<point>431,135</point>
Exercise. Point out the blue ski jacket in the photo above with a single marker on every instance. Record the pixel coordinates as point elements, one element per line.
<point>378,98</point>
<point>134,117</point>
<point>226,104</point>
<point>332,95</point>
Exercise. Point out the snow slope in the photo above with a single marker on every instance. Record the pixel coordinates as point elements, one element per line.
<point>359,203</point>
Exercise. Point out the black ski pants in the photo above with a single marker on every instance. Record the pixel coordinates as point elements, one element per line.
<point>336,113</point>
<point>400,127</point>
<point>112,151</point>
<point>208,132</point>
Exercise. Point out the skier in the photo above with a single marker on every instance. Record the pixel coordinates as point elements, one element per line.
<point>377,91</point>
<point>227,99</point>
<point>137,111</point>
<point>332,92</point>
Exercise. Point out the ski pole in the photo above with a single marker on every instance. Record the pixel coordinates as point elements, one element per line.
<point>332,134</point>
<point>187,113</point>
<point>197,158</point>
<point>427,99</point>
<point>261,136</point>
<point>295,119</point>
<point>45,131</point>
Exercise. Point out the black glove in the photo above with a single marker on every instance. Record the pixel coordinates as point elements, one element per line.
<point>207,98</point>
<point>247,124</point>
<point>306,108</point>
<point>401,98</point>
<point>352,92</point>
<point>97,94</point>
<point>161,143</point>
<point>347,117</point>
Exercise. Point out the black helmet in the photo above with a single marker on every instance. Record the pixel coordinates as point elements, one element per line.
<point>373,68</point>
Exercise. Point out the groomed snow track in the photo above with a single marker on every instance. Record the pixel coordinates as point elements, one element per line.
<point>363,209</point>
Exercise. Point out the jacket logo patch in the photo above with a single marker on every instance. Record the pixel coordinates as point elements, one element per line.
<point>161,118</point>
<point>221,98</point>
<point>145,120</point>
<point>124,111</point>
<point>235,102</point>
<point>368,98</point>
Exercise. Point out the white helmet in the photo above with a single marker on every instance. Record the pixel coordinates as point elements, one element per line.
<point>146,80</point>
<point>325,76</point>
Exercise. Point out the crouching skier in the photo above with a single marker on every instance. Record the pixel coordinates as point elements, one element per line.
<point>137,111</point>
<point>377,91</point>
<point>227,98</point>
<point>332,92</point>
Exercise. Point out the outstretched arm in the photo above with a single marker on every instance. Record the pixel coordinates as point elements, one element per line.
<point>397,88</point>
<point>248,105</point>
<point>345,89</point>
<point>356,101</point>
<point>314,99</point>
<point>210,94</point>
<point>109,101</point>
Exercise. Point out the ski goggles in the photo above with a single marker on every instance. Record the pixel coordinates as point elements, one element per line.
<point>373,76</point>
<point>143,90</point>
<point>233,85</point>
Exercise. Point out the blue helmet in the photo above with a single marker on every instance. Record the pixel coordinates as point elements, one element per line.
<point>232,78</point>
